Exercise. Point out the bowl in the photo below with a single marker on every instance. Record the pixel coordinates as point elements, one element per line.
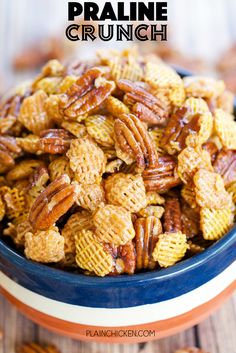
<point>125,309</point>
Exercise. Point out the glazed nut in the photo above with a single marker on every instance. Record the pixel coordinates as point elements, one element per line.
<point>24,169</point>
<point>52,203</point>
<point>113,225</point>
<point>172,215</point>
<point>11,106</point>
<point>211,148</point>
<point>184,129</point>
<point>190,220</point>
<point>9,111</point>
<point>133,139</point>
<point>86,94</point>
<point>163,176</point>
<point>152,210</point>
<point>147,231</point>
<point>124,257</point>
<point>37,184</point>
<point>147,107</point>
<point>55,141</point>
<point>126,190</point>
<point>225,165</point>
<point>9,150</point>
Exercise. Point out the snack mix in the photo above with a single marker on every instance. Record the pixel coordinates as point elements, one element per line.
<point>116,166</point>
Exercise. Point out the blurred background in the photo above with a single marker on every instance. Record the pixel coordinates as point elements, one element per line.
<point>201,38</point>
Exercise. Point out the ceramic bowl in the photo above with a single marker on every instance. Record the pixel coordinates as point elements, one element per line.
<point>122,309</point>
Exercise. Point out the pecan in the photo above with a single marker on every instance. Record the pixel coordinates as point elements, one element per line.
<point>211,148</point>
<point>124,257</point>
<point>190,220</point>
<point>55,141</point>
<point>162,176</point>
<point>86,94</point>
<point>225,165</point>
<point>24,169</point>
<point>78,68</point>
<point>52,203</point>
<point>9,111</point>
<point>177,130</point>
<point>133,138</point>
<point>172,216</point>
<point>8,151</point>
<point>40,177</point>
<point>147,107</point>
<point>146,237</point>
<point>35,348</point>
<point>11,106</point>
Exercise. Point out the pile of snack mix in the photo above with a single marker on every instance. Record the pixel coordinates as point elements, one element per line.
<point>117,166</point>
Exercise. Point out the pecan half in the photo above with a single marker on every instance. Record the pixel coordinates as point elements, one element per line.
<point>211,148</point>
<point>24,169</point>
<point>55,141</point>
<point>190,219</point>
<point>52,203</point>
<point>9,111</point>
<point>11,106</point>
<point>225,165</point>
<point>162,176</point>
<point>9,150</point>
<point>146,237</point>
<point>147,107</point>
<point>177,130</point>
<point>86,94</point>
<point>172,216</point>
<point>133,138</point>
<point>124,257</point>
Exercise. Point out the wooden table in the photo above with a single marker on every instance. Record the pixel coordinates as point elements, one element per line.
<point>217,334</point>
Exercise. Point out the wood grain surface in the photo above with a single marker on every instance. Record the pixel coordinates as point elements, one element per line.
<point>217,334</point>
